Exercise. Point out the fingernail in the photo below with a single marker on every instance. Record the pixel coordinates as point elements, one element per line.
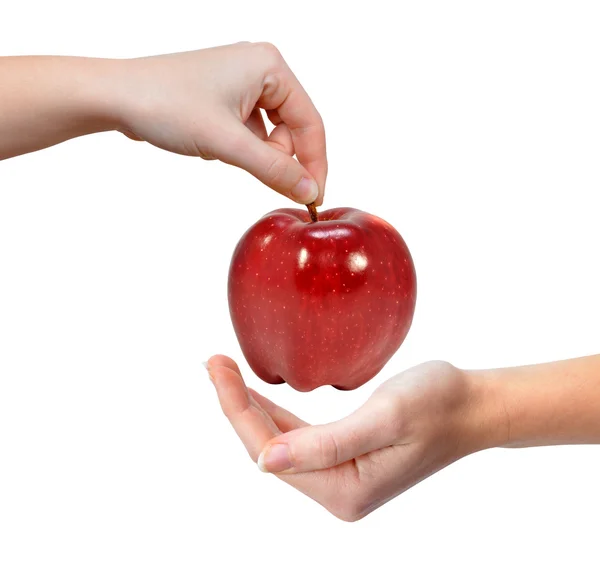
<point>274,458</point>
<point>205,364</point>
<point>306,191</point>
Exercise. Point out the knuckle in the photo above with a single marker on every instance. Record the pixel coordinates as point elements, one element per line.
<point>199,147</point>
<point>227,411</point>
<point>266,49</point>
<point>395,424</point>
<point>319,125</point>
<point>269,56</point>
<point>316,126</point>
<point>206,155</point>
<point>276,171</point>
<point>437,365</point>
<point>390,421</point>
<point>328,450</point>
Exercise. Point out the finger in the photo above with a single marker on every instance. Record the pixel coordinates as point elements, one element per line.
<point>285,420</point>
<point>274,168</point>
<point>228,363</point>
<point>256,124</point>
<point>277,415</point>
<point>273,116</point>
<point>281,138</point>
<point>295,108</point>
<point>223,360</point>
<point>372,427</point>
<point>253,427</point>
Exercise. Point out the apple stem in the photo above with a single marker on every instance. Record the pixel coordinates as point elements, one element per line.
<point>312,210</point>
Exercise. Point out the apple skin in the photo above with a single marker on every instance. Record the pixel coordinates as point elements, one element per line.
<point>321,303</point>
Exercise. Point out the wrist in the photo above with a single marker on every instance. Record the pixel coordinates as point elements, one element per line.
<point>97,96</point>
<point>538,405</point>
<point>486,421</point>
<point>549,404</point>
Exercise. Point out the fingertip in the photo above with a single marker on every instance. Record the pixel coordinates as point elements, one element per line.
<point>231,391</point>
<point>222,360</point>
<point>261,462</point>
<point>319,200</point>
<point>224,373</point>
<point>275,458</point>
<point>305,191</point>
<point>207,367</point>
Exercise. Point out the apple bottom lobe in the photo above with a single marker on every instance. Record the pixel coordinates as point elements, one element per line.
<point>306,372</point>
<point>344,388</point>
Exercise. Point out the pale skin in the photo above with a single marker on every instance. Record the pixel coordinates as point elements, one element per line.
<point>413,425</point>
<point>208,104</point>
<point>204,103</point>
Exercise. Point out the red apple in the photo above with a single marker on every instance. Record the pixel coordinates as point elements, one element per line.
<point>318,303</point>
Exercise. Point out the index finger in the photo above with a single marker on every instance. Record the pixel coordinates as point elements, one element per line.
<point>253,427</point>
<point>282,92</point>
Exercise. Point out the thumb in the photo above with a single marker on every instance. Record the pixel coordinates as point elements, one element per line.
<point>276,169</point>
<point>370,428</point>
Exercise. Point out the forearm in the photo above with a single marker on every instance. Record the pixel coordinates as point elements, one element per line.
<point>46,100</point>
<point>543,404</point>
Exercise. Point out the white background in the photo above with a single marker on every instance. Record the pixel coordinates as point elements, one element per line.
<point>473,127</point>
